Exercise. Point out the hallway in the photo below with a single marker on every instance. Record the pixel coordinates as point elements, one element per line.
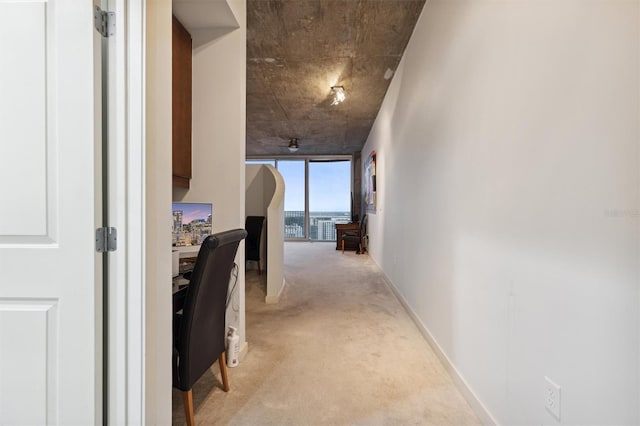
<point>338,349</point>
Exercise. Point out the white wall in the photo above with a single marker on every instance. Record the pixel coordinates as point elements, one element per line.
<point>258,193</point>
<point>508,194</point>
<point>219,116</point>
<point>265,197</point>
<point>275,231</point>
<point>254,190</point>
<point>158,225</point>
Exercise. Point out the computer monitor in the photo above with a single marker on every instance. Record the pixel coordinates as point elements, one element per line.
<point>191,223</point>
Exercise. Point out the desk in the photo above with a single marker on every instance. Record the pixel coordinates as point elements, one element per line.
<point>179,293</point>
<point>187,251</point>
<point>187,256</point>
<point>182,259</point>
<point>341,228</point>
<point>177,283</point>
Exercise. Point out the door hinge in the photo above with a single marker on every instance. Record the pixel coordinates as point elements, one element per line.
<point>105,22</point>
<point>106,239</point>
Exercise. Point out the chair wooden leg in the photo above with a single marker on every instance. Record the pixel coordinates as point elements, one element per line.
<point>342,246</point>
<point>222,360</point>
<point>187,400</point>
<point>259,269</point>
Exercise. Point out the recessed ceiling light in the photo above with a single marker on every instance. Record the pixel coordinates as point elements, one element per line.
<point>293,145</point>
<point>338,95</point>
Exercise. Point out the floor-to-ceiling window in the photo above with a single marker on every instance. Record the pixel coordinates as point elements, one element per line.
<point>329,197</point>
<point>293,173</point>
<point>317,195</point>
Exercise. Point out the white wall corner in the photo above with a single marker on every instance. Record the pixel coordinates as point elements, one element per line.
<point>519,177</point>
<point>157,310</point>
<point>244,350</point>
<point>462,385</point>
<point>270,300</point>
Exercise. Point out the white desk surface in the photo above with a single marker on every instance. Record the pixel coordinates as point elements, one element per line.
<point>187,251</point>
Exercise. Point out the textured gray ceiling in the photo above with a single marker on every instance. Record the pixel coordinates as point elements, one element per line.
<point>298,49</point>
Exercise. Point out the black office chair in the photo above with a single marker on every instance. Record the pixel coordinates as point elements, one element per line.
<point>357,238</point>
<point>199,332</point>
<point>253,225</point>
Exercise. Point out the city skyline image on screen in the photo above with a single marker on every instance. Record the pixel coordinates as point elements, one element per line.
<point>192,223</point>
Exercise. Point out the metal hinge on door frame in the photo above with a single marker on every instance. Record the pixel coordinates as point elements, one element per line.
<point>105,22</point>
<point>106,239</point>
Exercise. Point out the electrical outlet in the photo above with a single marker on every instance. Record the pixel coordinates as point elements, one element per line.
<point>552,397</point>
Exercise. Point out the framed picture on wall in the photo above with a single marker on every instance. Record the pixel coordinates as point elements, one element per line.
<point>369,183</point>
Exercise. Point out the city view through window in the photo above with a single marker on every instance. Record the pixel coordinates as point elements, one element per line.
<point>329,197</point>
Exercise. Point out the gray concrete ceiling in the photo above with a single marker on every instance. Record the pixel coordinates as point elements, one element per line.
<point>298,49</point>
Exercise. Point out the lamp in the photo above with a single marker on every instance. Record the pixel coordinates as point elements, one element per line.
<point>293,145</point>
<point>338,95</point>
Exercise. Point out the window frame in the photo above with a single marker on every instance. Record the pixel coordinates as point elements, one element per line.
<point>307,159</point>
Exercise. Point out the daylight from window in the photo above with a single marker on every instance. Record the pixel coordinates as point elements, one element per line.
<point>294,194</point>
<point>329,198</point>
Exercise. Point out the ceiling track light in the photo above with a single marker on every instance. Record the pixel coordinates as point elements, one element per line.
<point>338,95</point>
<point>293,145</point>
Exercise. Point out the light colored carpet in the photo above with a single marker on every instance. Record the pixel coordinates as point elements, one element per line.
<point>338,349</point>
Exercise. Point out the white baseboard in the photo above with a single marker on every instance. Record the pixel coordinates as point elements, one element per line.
<point>271,300</point>
<point>244,348</point>
<point>478,407</point>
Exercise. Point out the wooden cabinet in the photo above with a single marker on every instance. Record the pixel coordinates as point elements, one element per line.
<point>340,229</point>
<point>181,108</point>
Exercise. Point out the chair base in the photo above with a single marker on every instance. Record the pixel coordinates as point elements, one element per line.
<point>187,396</point>
<point>222,360</point>
<point>358,251</point>
<point>259,266</point>
<point>187,400</point>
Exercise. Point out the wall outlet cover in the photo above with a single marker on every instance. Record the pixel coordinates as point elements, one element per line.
<point>552,397</point>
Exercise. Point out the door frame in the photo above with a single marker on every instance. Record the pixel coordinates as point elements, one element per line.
<point>126,319</point>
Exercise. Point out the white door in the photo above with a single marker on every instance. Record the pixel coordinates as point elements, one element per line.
<point>49,273</point>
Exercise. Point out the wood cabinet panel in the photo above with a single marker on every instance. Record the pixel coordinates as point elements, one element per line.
<point>181,112</point>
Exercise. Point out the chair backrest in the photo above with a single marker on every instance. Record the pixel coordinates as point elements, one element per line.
<point>201,333</point>
<point>364,237</point>
<point>363,226</point>
<point>253,225</point>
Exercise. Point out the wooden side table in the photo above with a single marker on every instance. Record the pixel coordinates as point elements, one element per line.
<point>340,229</point>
